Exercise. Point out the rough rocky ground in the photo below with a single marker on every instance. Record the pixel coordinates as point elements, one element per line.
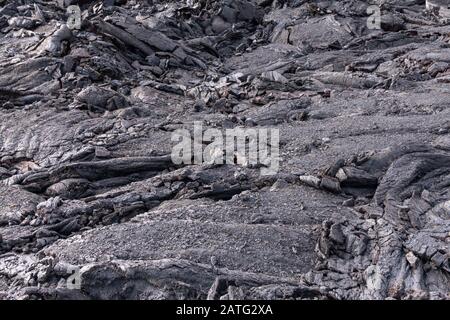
<point>360,208</point>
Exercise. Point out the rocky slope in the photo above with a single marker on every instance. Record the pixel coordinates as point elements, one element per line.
<point>92,207</point>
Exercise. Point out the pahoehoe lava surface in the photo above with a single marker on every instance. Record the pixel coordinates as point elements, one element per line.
<point>359,209</point>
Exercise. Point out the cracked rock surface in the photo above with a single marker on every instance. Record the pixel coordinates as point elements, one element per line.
<point>359,209</point>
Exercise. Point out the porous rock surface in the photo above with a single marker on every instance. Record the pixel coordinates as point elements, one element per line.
<point>360,208</point>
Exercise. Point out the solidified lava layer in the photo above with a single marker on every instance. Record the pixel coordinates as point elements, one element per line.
<point>93,207</point>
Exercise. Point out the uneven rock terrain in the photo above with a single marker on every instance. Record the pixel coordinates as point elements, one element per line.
<point>92,206</point>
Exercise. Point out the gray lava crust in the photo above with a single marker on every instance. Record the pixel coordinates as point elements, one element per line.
<point>359,209</point>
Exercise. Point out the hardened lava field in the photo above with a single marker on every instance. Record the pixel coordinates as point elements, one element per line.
<point>93,207</point>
